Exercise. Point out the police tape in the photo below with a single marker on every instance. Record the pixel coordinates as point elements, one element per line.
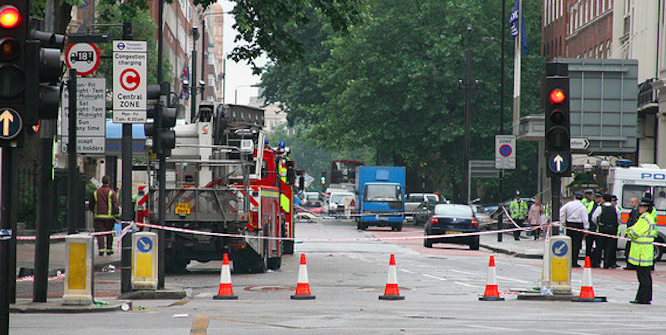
<point>62,237</point>
<point>602,234</point>
<point>421,237</point>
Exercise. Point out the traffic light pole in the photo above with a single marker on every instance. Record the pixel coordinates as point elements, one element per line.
<point>128,208</point>
<point>161,171</point>
<point>72,166</point>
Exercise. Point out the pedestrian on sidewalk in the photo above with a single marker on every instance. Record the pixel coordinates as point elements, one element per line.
<point>642,251</point>
<point>590,239</point>
<point>574,215</point>
<point>534,217</point>
<point>518,211</point>
<point>104,205</point>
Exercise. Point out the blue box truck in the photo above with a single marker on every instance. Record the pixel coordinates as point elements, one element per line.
<point>381,196</point>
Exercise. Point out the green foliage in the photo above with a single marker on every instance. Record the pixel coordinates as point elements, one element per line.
<point>390,85</point>
<point>144,29</point>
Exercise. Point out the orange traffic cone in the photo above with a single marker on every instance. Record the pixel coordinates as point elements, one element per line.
<point>491,293</point>
<point>391,292</point>
<point>303,286</point>
<point>586,290</point>
<point>225,292</point>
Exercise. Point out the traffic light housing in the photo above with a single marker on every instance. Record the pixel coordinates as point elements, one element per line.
<point>164,118</point>
<point>44,73</point>
<point>557,128</point>
<point>323,177</point>
<point>13,34</point>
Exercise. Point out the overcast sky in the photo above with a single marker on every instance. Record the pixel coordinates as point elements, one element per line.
<point>238,75</point>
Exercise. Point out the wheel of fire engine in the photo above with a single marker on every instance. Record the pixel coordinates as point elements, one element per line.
<point>288,247</point>
<point>176,265</point>
<point>274,263</point>
<point>475,243</point>
<point>261,263</point>
<point>427,242</point>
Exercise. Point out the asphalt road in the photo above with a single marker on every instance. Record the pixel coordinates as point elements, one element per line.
<point>347,274</point>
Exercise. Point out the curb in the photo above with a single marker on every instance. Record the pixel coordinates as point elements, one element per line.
<point>513,253</point>
<point>56,306</point>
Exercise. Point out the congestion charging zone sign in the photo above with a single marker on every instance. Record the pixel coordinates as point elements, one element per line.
<point>129,81</point>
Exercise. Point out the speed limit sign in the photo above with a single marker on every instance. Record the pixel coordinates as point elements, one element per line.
<point>83,57</point>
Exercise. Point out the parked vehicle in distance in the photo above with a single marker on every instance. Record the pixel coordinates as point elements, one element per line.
<point>338,202</point>
<point>482,216</point>
<point>416,206</point>
<point>450,219</point>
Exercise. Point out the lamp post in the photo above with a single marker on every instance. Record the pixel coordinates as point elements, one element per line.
<point>467,86</point>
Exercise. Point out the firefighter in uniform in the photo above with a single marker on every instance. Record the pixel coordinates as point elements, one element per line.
<point>518,210</point>
<point>104,205</point>
<point>641,255</point>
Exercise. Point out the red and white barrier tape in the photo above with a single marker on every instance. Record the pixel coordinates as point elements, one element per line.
<point>32,278</point>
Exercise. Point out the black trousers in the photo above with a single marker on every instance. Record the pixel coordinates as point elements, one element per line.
<point>576,240</point>
<point>644,276</point>
<point>590,241</point>
<point>605,250</point>
<point>516,234</point>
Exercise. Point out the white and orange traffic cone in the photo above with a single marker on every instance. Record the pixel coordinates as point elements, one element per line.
<point>491,293</point>
<point>586,290</point>
<point>226,291</point>
<point>392,292</point>
<point>303,285</point>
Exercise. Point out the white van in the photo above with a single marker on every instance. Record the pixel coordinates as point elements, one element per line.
<point>339,202</point>
<point>629,182</point>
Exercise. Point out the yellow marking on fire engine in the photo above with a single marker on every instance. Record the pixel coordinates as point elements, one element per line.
<point>270,194</point>
<point>183,208</point>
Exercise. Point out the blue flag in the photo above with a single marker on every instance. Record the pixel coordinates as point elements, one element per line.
<point>514,27</point>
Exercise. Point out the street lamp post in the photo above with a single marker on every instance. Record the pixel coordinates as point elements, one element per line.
<point>467,86</point>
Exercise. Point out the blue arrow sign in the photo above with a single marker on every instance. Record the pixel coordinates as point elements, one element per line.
<point>560,248</point>
<point>144,244</point>
<point>10,123</point>
<point>558,163</point>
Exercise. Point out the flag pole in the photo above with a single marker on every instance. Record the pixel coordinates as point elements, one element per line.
<point>516,71</point>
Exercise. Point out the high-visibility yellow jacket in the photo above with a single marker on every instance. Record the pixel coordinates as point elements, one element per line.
<point>104,203</point>
<point>518,209</point>
<point>642,234</point>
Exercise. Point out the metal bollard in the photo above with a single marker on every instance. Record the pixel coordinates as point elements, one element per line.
<point>79,270</point>
<point>144,261</point>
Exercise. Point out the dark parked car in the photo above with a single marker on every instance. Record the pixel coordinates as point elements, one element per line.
<point>452,219</point>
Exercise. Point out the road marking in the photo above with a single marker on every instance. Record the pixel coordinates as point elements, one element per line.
<point>465,284</point>
<point>407,271</point>
<point>513,279</point>
<point>434,277</point>
<point>463,272</point>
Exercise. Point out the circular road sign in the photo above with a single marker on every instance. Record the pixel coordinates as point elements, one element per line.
<point>10,123</point>
<point>83,57</point>
<point>560,248</point>
<point>505,150</point>
<point>130,79</point>
<point>144,244</point>
<point>558,163</point>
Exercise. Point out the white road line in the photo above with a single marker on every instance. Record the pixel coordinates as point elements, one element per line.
<point>434,277</point>
<point>465,284</point>
<point>513,279</point>
<point>463,272</point>
<point>407,271</point>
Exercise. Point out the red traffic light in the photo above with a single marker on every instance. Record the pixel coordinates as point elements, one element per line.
<point>556,96</point>
<point>9,17</point>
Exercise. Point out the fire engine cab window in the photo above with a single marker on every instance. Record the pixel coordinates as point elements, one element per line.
<point>383,193</point>
<point>631,191</point>
<point>660,198</point>
<point>264,170</point>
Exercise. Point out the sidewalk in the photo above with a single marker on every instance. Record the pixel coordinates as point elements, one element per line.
<point>25,256</point>
<point>527,247</point>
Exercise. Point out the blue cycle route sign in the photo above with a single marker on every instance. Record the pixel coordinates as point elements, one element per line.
<point>560,248</point>
<point>144,244</point>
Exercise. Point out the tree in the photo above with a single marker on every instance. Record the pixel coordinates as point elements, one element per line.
<point>390,85</point>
